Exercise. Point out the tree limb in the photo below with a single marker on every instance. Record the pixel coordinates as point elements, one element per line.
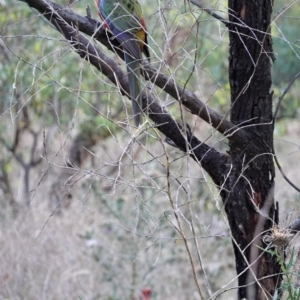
<point>87,25</point>
<point>210,12</point>
<point>283,94</point>
<point>274,117</point>
<point>211,160</point>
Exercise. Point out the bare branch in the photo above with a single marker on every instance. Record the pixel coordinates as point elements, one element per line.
<point>211,160</point>
<point>283,174</point>
<point>274,117</point>
<point>210,12</point>
<point>284,93</point>
<point>189,100</point>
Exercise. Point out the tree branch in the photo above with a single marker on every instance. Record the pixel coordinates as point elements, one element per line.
<point>211,160</point>
<point>274,118</point>
<point>87,25</point>
<point>283,94</point>
<point>210,12</point>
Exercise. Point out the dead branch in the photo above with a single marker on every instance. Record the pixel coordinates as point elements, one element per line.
<point>211,160</point>
<point>87,25</point>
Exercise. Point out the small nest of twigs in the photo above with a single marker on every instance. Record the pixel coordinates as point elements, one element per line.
<point>278,237</point>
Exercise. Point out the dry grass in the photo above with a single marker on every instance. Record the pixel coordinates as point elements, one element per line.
<point>108,245</point>
<point>81,255</point>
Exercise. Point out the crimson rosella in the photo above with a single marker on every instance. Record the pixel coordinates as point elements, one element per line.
<point>124,18</point>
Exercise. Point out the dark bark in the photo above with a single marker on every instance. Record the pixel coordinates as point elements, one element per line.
<point>252,178</point>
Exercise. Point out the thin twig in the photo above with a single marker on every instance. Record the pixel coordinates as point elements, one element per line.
<point>87,25</point>
<point>283,174</point>
<point>210,12</point>
<point>274,116</point>
<point>179,229</point>
<point>209,157</point>
<point>284,93</point>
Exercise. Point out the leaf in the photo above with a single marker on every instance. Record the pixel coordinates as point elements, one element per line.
<point>290,263</point>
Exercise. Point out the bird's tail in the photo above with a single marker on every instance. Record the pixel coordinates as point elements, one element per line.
<point>133,70</point>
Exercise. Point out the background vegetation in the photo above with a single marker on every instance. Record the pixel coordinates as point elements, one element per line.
<point>85,210</point>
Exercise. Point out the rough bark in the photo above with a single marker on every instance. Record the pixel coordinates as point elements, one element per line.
<point>251,180</point>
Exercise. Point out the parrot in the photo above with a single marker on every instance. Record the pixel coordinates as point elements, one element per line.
<point>124,18</point>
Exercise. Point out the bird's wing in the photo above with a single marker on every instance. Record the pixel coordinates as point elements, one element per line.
<point>123,22</point>
<point>127,40</point>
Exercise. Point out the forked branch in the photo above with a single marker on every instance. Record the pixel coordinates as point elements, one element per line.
<point>210,159</point>
<point>89,26</point>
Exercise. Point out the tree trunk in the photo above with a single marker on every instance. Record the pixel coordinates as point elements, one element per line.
<point>250,182</point>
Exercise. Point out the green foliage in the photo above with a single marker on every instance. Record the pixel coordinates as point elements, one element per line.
<point>285,33</point>
<point>287,287</point>
<point>39,70</point>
